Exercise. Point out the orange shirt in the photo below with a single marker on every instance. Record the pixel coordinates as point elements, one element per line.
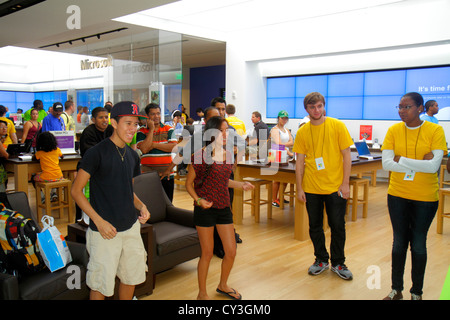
<point>50,164</point>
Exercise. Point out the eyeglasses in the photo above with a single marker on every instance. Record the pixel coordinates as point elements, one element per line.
<point>405,107</point>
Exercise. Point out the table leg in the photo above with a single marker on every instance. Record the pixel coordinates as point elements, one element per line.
<point>238,201</point>
<point>301,224</point>
<point>21,178</point>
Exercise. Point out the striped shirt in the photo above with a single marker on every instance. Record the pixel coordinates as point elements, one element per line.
<point>155,158</point>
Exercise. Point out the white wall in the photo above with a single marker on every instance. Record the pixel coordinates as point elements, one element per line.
<point>406,34</point>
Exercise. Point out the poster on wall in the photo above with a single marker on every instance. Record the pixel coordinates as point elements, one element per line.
<point>154,97</point>
<point>156,91</point>
<point>365,132</point>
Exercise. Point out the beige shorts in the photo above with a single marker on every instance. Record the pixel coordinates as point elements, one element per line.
<point>123,256</point>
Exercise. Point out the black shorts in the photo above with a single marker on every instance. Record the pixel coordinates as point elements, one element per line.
<point>212,216</point>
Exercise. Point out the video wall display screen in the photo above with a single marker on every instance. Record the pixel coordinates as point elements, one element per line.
<point>24,100</point>
<point>50,97</point>
<point>14,100</point>
<point>370,95</point>
<point>91,98</point>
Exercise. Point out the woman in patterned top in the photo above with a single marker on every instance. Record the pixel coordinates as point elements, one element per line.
<point>207,183</point>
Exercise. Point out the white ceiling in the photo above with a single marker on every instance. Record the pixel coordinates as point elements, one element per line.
<point>46,23</point>
<point>198,21</point>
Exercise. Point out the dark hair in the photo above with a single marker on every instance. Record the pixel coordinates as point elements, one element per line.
<point>214,123</point>
<point>198,110</point>
<point>151,106</point>
<point>46,142</point>
<point>37,103</point>
<point>216,100</point>
<point>417,97</point>
<point>96,111</point>
<point>208,110</point>
<point>2,110</point>
<point>429,104</point>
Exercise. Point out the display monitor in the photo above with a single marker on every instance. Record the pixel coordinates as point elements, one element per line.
<point>370,95</point>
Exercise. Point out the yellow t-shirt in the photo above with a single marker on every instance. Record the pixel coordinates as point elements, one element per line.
<point>420,141</point>
<point>11,130</point>
<point>50,164</point>
<point>326,140</point>
<point>238,124</point>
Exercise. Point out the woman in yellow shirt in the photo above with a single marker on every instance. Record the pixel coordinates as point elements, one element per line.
<point>412,151</point>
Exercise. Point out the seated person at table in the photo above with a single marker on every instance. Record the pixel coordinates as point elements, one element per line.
<point>11,137</point>
<point>48,154</point>
<point>31,129</point>
<point>3,155</point>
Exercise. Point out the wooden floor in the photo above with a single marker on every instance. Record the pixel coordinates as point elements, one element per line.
<point>271,265</point>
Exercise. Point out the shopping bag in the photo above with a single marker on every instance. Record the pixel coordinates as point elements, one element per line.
<point>53,247</point>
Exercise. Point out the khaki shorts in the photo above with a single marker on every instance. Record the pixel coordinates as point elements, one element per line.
<point>123,256</point>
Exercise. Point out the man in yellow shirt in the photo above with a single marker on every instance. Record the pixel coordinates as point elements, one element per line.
<point>323,171</point>
<point>234,121</point>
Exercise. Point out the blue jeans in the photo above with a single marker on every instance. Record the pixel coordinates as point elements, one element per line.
<point>335,209</point>
<point>410,222</point>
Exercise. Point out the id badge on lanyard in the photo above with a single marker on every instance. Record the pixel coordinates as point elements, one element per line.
<point>320,165</point>
<point>409,176</point>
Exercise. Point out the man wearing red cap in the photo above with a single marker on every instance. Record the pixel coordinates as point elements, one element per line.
<point>113,239</point>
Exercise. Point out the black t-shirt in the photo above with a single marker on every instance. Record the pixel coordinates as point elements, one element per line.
<point>91,136</point>
<point>261,129</point>
<point>111,183</point>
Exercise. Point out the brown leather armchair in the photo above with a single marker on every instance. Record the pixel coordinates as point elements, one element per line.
<point>44,285</point>
<point>174,234</point>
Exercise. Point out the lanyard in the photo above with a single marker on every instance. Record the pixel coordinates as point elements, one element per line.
<point>417,140</point>
<point>312,139</point>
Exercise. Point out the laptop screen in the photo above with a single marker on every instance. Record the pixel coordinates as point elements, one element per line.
<point>362,148</point>
<point>16,148</point>
<point>66,141</point>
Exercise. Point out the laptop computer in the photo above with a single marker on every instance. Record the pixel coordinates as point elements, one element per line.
<point>363,151</point>
<point>66,141</point>
<point>15,149</point>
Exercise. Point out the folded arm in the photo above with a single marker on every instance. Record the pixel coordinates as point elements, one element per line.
<point>405,164</point>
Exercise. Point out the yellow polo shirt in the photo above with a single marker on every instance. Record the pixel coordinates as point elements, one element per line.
<point>326,140</point>
<point>414,144</point>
